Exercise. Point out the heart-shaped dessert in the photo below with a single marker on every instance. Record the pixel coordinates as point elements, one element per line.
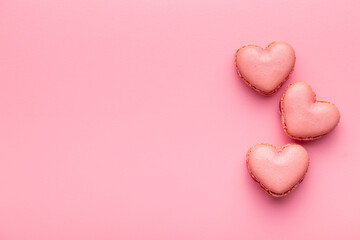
<point>303,117</point>
<point>265,70</point>
<point>277,170</point>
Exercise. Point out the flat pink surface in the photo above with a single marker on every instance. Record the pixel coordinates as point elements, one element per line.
<point>127,120</point>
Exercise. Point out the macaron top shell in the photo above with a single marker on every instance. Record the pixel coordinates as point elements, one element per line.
<point>278,170</point>
<point>265,70</point>
<point>305,118</point>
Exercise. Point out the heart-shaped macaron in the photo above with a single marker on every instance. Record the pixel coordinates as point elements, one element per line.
<point>265,70</point>
<point>277,170</point>
<point>304,117</point>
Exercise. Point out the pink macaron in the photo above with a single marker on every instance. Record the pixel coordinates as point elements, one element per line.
<point>277,170</point>
<point>303,117</point>
<point>265,69</point>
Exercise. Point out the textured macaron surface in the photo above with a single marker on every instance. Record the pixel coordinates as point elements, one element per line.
<point>265,69</point>
<point>304,117</point>
<point>277,170</point>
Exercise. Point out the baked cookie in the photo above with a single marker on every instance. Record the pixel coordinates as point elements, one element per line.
<point>303,117</point>
<point>277,170</point>
<point>265,70</point>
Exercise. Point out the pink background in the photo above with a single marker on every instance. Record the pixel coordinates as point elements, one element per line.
<point>127,120</point>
